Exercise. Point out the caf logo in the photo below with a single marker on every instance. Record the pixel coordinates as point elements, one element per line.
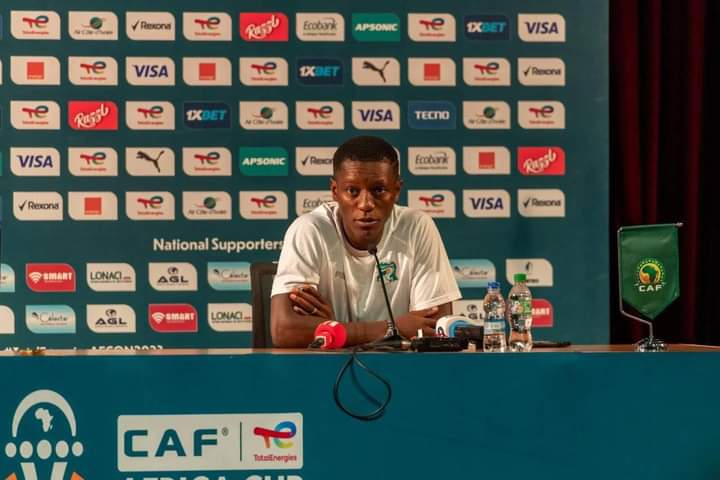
<point>650,275</point>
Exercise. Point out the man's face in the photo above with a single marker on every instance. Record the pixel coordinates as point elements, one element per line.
<point>365,193</point>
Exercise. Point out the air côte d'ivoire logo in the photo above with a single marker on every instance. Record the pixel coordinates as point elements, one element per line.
<point>649,275</point>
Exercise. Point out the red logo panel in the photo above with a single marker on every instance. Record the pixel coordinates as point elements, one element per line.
<point>264,27</point>
<point>93,115</point>
<point>542,313</point>
<point>173,318</point>
<point>541,160</point>
<point>50,277</point>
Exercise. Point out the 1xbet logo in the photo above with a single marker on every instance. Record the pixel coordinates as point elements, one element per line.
<point>206,115</point>
<point>487,27</point>
<point>320,71</point>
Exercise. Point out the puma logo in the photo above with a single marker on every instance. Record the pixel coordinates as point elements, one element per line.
<point>380,71</point>
<point>155,161</point>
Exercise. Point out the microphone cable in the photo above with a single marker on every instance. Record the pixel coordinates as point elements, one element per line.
<point>381,406</point>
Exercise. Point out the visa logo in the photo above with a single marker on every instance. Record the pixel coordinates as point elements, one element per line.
<point>487,203</point>
<point>151,71</point>
<point>35,161</point>
<point>376,115</point>
<point>542,28</point>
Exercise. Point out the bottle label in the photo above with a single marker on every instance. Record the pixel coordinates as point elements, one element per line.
<point>521,307</point>
<point>493,326</point>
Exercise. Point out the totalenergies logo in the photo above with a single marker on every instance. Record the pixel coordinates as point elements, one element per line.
<point>40,21</point>
<point>153,112</point>
<point>95,68</point>
<point>54,448</point>
<point>487,69</point>
<point>97,158</point>
<point>434,201</point>
<point>650,275</point>
<point>542,112</point>
<point>153,202</point>
<point>267,68</point>
<point>268,201</point>
<point>211,158</point>
<point>40,111</point>
<point>210,23</point>
<point>323,112</point>
<point>435,24</point>
<point>279,435</point>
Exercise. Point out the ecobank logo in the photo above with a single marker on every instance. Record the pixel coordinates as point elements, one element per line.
<point>35,25</point>
<point>320,71</point>
<point>263,115</point>
<point>35,162</point>
<point>92,206</point>
<point>314,160</point>
<point>308,200</point>
<point>436,203</point>
<point>486,160</point>
<point>92,70</point>
<point>207,205</point>
<point>150,115</point>
<point>486,71</point>
<point>50,319</point>
<point>110,318</point>
<point>35,70</point>
<point>230,317</point>
<point>150,161</point>
<point>207,71</point>
<point>206,115</point>
<point>264,205</point>
<point>431,160</point>
<point>150,26</point>
<point>172,277</point>
<point>207,26</point>
<point>376,27</point>
<point>110,277</point>
<point>207,161</point>
<point>150,205</point>
<point>541,71</point>
<point>151,71</point>
<point>431,27</point>
<point>431,115</point>
<point>263,71</point>
<point>539,271</point>
<point>548,27</point>
<point>263,161</point>
<point>93,161</point>
<point>229,276</point>
<point>486,203</point>
<point>36,206</point>
<point>319,115</point>
<point>93,25</point>
<point>376,71</point>
<point>473,273</point>
<point>50,277</point>
<point>320,27</point>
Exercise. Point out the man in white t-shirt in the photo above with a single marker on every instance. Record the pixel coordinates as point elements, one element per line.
<point>326,273</point>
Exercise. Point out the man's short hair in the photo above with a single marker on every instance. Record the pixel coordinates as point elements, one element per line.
<point>366,149</point>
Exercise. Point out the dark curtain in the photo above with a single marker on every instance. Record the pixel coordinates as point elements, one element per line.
<point>663,99</point>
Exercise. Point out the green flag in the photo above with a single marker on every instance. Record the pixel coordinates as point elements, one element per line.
<point>649,267</point>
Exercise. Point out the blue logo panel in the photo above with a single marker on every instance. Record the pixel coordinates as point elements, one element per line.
<point>319,71</point>
<point>426,115</point>
<point>206,115</point>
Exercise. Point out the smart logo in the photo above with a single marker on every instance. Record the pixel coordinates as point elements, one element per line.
<point>206,115</point>
<point>487,27</point>
<point>263,161</point>
<point>376,27</point>
<point>50,277</point>
<point>320,71</point>
<point>172,318</point>
<point>279,435</point>
<point>435,115</point>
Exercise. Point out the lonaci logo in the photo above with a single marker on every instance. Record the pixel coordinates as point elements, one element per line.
<point>267,68</point>
<point>323,112</point>
<point>268,201</point>
<point>282,431</point>
<point>95,68</point>
<point>434,201</point>
<point>210,23</point>
<point>542,112</point>
<point>435,24</point>
<point>153,112</point>
<point>211,158</point>
<point>153,202</point>
<point>40,21</point>
<point>40,111</point>
<point>97,158</point>
<point>487,69</point>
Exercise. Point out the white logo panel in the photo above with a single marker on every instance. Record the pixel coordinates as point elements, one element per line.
<point>431,160</point>
<point>230,317</point>
<point>35,115</point>
<point>541,71</point>
<point>35,162</point>
<point>431,72</point>
<point>92,206</point>
<point>263,71</point>
<point>207,205</point>
<point>263,115</point>
<point>110,277</point>
<point>93,25</point>
<point>93,161</point>
<point>320,27</point>
<point>314,160</point>
<point>207,26</point>
<point>320,115</point>
<point>486,160</point>
<point>35,24</point>
<point>151,71</point>
<point>541,202</point>
<point>376,115</point>
<point>486,115</point>
<point>150,115</point>
<point>150,161</point>
<point>539,271</point>
<point>172,276</point>
<point>207,161</point>
<point>486,203</point>
<point>110,318</point>
<point>7,321</point>
<point>436,203</point>
<point>308,200</point>
<point>38,206</point>
<point>431,27</point>
<point>549,27</point>
<point>92,70</point>
<point>150,205</point>
<point>486,72</point>
<point>198,71</point>
<point>541,114</point>
<point>150,26</point>
<point>35,70</point>
<point>271,205</point>
<point>376,71</point>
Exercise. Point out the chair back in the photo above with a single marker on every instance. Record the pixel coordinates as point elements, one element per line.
<point>261,280</point>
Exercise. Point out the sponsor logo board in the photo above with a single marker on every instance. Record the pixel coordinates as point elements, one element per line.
<point>539,271</point>
<point>436,203</point>
<point>35,70</point>
<point>542,313</point>
<point>35,161</point>
<point>486,115</point>
<point>172,276</point>
<point>93,161</point>
<point>264,27</point>
<point>35,115</point>
<point>35,24</point>
<point>472,309</point>
<point>431,160</point>
<point>486,71</point>
<point>50,319</point>
<point>541,202</point>
<point>207,205</point>
<point>150,115</point>
<point>541,160</point>
<point>320,27</point>
<point>35,206</point>
<point>150,26</point>
<point>431,27</point>
<point>226,276</point>
<point>314,160</point>
<point>435,115</point>
<point>376,71</point>
<point>93,25</point>
<point>92,206</point>
<point>376,115</point>
<point>541,114</point>
<point>431,72</point>
<point>150,205</point>
<point>171,318</point>
<point>308,200</point>
<point>473,273</point>
<point>7,321</point>
<point>320,115</point>
<point>264,205</point>
<point>150,71</point>
<point>541,71</point>
<point>486,27</point>
<point>114,318</point>
<point>320,71</point>
<point>493,203</point>
<point>230,317</point>
<point>207,161</point>
<point>7,278</point>
<point>207,71</point>
<point>150,161</point>
<point>376,27</point>
<point>207,26</point>
<point>263,71</point>
<point>486,160</point>
<point>110,277</point>
<point>206,115</point>
<point>263,161</point>
<point>263,115</point>
<point>547,27</point>
<point>50,277</point>
<point>93,71</point>
<point>92,115</point>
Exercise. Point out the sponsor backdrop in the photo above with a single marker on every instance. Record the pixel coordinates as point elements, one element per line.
<point>149,157</point>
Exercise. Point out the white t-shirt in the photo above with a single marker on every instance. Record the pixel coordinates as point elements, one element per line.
<point>415,265</point>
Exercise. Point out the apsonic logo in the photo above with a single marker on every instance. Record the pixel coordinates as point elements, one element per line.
<point>436,203</point>
<point>229,276</point>
<point>376,27</point>
<point>486,203</point>
<point>207,161</point>
<point>50,319</point>
<point>207,26</point>
<point>486,72</point>
<point>263,161</point>
<point>473,273</point>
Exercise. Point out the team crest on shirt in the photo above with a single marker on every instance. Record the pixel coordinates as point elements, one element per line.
<point>389,271</point>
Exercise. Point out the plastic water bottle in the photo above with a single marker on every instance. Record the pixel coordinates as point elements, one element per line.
<point>519,315</point>
<point>494,326</point>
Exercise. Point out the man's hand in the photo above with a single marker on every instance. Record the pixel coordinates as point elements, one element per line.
<point>409,323</point>
<point>306,300</point>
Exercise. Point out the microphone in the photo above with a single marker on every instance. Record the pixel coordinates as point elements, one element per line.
<point>329,334</point>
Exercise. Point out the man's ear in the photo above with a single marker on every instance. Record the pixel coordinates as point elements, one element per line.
<point>333,188</point>
<point>399,186</point>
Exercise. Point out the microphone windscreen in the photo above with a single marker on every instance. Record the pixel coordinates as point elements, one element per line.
<point>334,332</point>
<point>372,249</point>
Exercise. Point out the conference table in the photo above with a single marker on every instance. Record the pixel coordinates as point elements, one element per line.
<point>251,414</point>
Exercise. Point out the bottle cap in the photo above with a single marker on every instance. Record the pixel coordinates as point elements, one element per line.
<point>495,285</point>
<point>520,277</point>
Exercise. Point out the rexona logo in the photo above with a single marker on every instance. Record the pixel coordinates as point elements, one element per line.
<point>549,27</point>
<point>486,72</point>
<point>110,277</point>
<point>188,443</point>
<point>376,115</point>
<point>263,71</point>
<point>263,161</point>
<point>473,273</point>
<point>207,26</point>
<point>314,160</point>
<point>264,27</point>
<point>7,321</point>
<point>38,206</point>
<point>150,115</point>
<point>93,161</point>
<point>539,202</point>
<point>93,25</point>
<point>150,161</point>
<point>230,317</point>
<point>7,278</point>
<point>320,27</point>
<point>157,71</point>
<point>541,114</point>
<point>110,318</point>
<point>150,26</point>
<point>376,27</point>
<point>539,271</point>
<point>92,206</point>
<point>171,318</point>
<point>486,115</point>
<point>150,205</point>
<point>206,115</point>
<point>436,203</point>
<point>541,71</point>
<point>35,25</point>
<point>172,277</point>
<point>92,70</point>
<point>207,161</point>
<point>35,115</point>
<point>431,27</point>
<point>50,319</point>
<point>92,115</point>
<point>207,205</point>
<point>541,160</point>
<point>227,276</point>
<point>319,71</point>
<point>376,71</point>
<point>50,277</point>
<point>35,162</point>
<point>268,205</point>
<point>263,115</point>
<point>486,160</point>
<point>209,71</point>
<point>320,115</point>
<point>308,200</point>
<point>486,203</point>
<point>542,313</point>
<point>487,27</point>
<point>433,115</point>
<point>431,160</point>
<point>431,72</point>
<point>35,70</point>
